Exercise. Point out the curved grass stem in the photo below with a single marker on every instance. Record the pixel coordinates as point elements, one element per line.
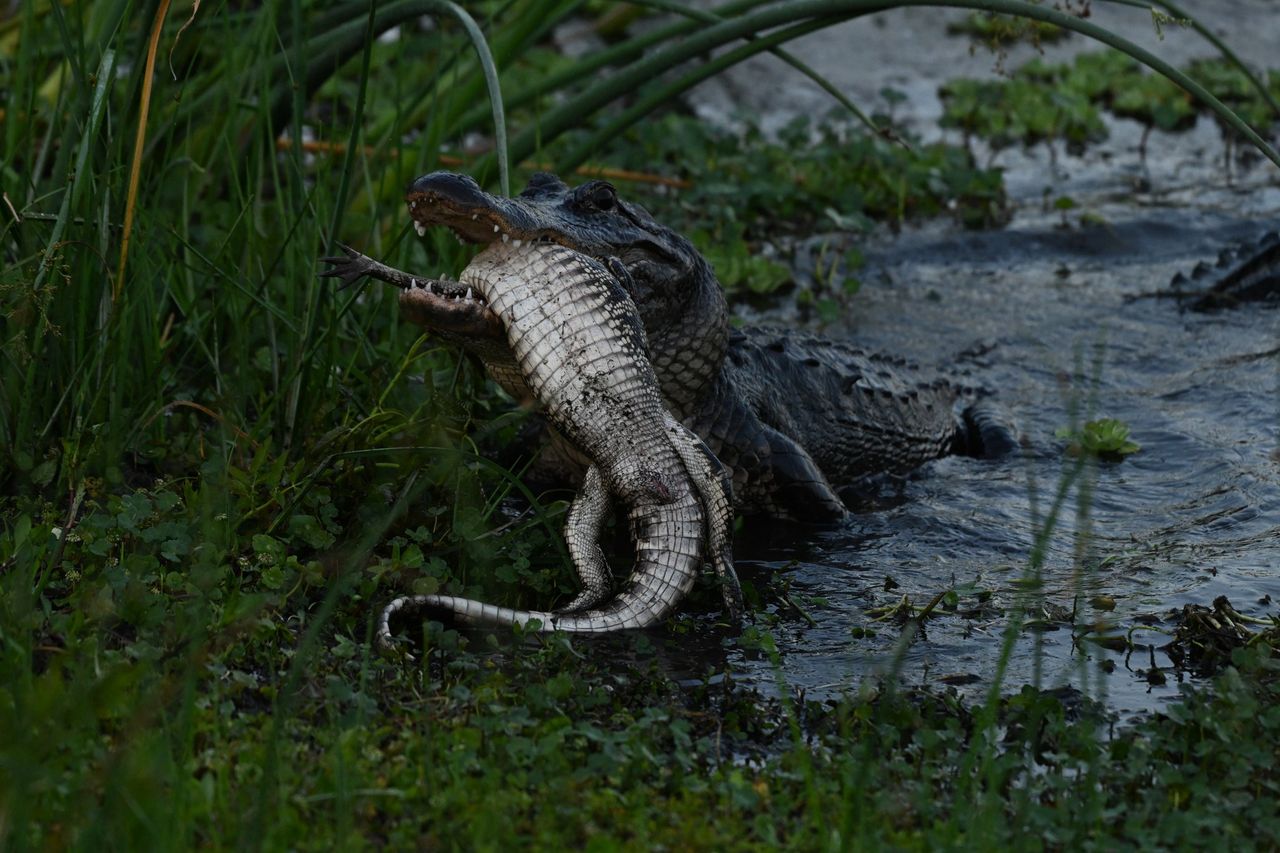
<point>798,14</point>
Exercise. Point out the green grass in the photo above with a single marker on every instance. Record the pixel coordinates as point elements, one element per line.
<point>214,469</point>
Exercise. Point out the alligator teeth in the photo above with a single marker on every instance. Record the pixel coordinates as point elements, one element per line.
<point>468,293</point>
<point>474,216</point>
<point>506,238</point>
<point>413,204</point>
<point>516,243</point>
<point>496,229</point>
<point>420,228</point>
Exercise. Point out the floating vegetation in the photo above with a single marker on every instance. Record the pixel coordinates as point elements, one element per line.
<point>1043,101</point>
<point>1206,638</point>
<point>743,188</point>
<point>1105,438</point>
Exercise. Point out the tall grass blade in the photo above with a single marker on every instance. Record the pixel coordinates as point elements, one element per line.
<point>786,56</point>
<point>353,140</point>
<point>135,167</point>
<point>71,198</point>
<point>495,91</point>
<point>1210,36</point>
<point>638,74</point>
<point>654,99</point>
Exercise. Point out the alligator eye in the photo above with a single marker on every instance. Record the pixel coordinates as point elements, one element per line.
<point>600,196</point>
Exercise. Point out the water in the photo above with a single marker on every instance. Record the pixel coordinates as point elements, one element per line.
<point>1194,515</point>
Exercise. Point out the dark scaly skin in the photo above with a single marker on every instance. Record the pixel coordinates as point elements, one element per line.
<point>787,414</point>
<point>1244,274</point>
<point>582,354</point>
<point>779,405</point>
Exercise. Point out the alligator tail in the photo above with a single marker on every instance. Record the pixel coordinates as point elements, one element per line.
<point>625,611</point>
<point>668,539</point>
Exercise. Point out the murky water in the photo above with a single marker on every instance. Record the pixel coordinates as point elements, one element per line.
<point>1194,515</point>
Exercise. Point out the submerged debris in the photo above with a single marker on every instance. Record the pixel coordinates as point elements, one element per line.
<point>1206,637</point>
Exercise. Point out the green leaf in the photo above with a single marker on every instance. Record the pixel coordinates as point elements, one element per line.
<point>1106,438</point>
<point>270,551</point>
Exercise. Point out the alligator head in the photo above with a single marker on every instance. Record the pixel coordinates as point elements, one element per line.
<point>679,300</point>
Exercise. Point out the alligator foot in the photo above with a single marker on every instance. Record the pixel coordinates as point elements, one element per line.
<point>445,306</point>
<point>715,488</point>
<point>355,266</point>
<point>352,266</point>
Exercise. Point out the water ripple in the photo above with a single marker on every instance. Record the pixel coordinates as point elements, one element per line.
<point>1193,515</point>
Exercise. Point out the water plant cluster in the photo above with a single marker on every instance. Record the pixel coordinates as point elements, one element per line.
<point>1043,101</point>
<point>1106,438</point>
<point>998,31</point>
<point>742,188</point>
<point>214,468</point>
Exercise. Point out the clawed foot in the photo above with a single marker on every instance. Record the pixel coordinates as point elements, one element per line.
<point>730,589</point>
<point>350,268</point>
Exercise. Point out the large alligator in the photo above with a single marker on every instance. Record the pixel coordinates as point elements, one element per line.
<point>788,414</point>
<point>582,353</point>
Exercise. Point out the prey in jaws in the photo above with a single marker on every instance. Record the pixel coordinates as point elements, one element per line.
<point>790,415</point>
<point>580,350</point>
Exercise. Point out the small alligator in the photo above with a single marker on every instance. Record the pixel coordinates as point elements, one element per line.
<point>576,336</point>
<point>788,414</point>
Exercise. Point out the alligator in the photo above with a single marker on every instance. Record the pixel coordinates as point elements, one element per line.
<point>1249,273</point>
<point>788,414</point>
<point>575,333</point>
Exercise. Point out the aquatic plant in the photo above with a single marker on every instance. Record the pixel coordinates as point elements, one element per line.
<point>1042,101</point>
<point>1106,438</point>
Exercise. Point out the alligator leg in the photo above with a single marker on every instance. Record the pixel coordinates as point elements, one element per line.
<point>801,490</point>
<point>716,490</point>
<point>987,433</point>
<point>771,473</point>
<point>355,266</point>
<point>582,531</point>
<point>443,306</point>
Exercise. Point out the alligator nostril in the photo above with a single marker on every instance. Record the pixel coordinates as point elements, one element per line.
<point>445,186</point>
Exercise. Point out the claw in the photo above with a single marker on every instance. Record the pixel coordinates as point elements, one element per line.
<point>731,591</point>
<point>350,268</point>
